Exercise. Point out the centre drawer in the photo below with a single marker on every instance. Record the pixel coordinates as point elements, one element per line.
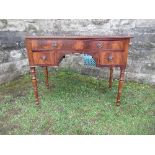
<point>44,58</point>
<point>42,45</point>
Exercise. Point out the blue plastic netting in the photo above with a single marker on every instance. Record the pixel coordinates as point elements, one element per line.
<point>88,60</point>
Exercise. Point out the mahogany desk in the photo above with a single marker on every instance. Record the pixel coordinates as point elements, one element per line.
<point>106,51</point>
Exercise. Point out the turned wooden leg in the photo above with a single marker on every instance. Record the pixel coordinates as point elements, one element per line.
<point>34,83</point>
<point>110,77</point>
<point>120,85</point>
<point>46,77</point>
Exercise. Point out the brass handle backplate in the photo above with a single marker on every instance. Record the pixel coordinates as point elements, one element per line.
<point>43,57</point>
<point>54,44</point>
<point>99,45</point>
<point>110,58</point>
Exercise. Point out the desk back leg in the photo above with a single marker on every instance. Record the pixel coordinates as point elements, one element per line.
<point>120,85</point>
<point>34,83</point>
<point>46,77</point>
<point>110,77</point>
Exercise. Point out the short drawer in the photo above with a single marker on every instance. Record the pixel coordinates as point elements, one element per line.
<point>108,45</point>
<point>112,58</point>
<point>45,58</point>
<point>46,44</point>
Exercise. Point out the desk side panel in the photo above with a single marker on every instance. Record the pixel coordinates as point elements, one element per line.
<point>29,51</point>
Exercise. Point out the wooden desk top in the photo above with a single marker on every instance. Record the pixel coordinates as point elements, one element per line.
<point>80,37</point>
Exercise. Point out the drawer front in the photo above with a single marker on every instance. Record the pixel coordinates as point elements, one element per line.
<point>108,45</point>
<point>112,58</point>
<point>45,58</point>
<point>46,44</point>
<point>76,45</point>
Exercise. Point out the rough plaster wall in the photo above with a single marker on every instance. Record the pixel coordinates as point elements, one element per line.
<point>141,62</point>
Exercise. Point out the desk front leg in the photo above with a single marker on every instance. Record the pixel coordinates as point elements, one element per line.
<point>120,85</point>
<point>34,83</point>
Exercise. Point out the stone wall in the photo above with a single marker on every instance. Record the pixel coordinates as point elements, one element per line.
<point>141,62</point>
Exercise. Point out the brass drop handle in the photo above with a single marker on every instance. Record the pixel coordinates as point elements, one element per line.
<point>110,58</point>
<point>43,57</point>
<point>54,44</point>
<point>99,45</point>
